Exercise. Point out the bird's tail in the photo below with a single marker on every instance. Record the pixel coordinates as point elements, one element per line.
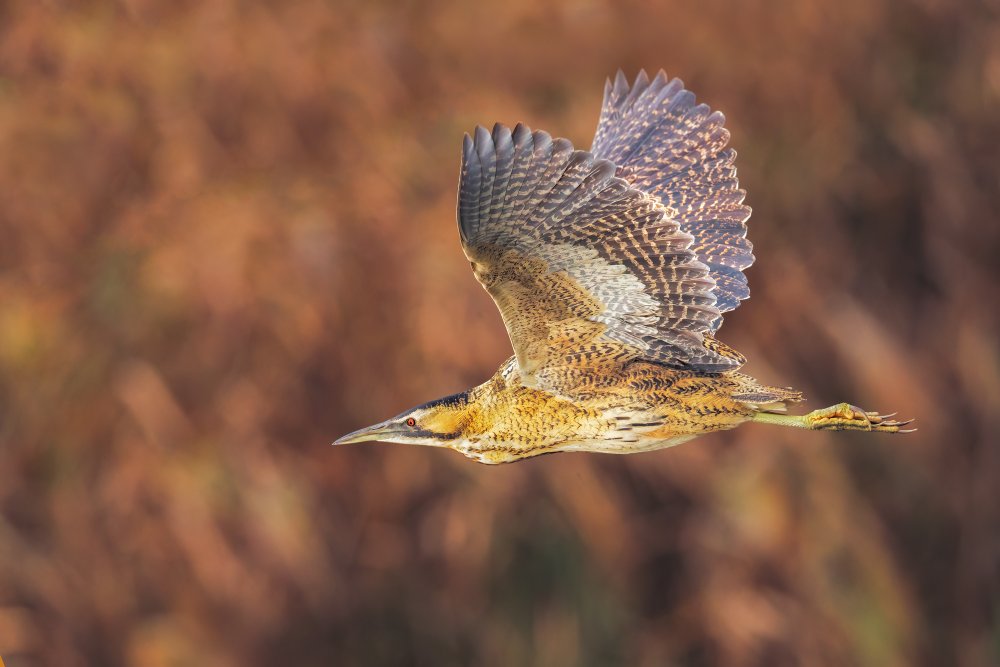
<point>764,398</point>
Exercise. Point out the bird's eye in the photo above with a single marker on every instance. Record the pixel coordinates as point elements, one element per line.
<point>411,421</point>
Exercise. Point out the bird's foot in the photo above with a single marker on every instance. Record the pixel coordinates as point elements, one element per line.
<point>846,417</point>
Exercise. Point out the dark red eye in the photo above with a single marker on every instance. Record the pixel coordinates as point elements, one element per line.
<point>411,421</point>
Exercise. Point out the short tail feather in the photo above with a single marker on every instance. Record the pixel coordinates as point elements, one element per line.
<point>768,399</point>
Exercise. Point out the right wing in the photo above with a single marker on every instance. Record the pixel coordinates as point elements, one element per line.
<point>581,265</point>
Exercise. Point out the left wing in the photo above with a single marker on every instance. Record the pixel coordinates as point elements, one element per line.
<point>581,264</point>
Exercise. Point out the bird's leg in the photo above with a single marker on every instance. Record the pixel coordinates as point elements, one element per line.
<point>840,417</point>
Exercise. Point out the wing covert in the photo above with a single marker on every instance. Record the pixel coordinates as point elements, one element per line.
<point>578,261</point>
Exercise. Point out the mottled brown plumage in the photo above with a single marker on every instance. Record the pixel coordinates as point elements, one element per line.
<point>611,269</point>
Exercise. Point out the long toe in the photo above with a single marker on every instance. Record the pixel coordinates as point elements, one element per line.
<point>883,424</point>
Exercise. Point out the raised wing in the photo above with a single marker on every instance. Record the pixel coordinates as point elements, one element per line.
<point>666,145</point>
<point>581,264</point>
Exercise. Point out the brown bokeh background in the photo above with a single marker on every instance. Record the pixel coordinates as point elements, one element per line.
<point>227,237</point>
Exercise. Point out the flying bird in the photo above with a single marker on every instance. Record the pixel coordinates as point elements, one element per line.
<point>612,269</point>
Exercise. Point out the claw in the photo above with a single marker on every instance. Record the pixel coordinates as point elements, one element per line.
<point>892,426</point>
<point>851,418</point>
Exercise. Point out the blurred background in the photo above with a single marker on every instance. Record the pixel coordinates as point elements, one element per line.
<point>227,236</point>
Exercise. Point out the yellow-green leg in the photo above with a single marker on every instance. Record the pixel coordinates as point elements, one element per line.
<point>840,417</point>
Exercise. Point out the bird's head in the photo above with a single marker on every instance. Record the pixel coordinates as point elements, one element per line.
<point>440,423</point>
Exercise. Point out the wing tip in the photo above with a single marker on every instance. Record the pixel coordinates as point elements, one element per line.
<point>503,138</point>
<point>483,138</point>
<point>521,133</point>
<point>467,146</point>
<point>621,82</point>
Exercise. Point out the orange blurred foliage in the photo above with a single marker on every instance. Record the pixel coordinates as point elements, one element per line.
<point>227,236</point>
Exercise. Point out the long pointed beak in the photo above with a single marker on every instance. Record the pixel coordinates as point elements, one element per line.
<point>376,432</point>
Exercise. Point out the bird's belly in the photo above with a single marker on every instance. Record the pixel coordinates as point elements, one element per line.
<point>615,446</point>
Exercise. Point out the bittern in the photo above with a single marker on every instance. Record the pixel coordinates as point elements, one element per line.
<point>612,269</point>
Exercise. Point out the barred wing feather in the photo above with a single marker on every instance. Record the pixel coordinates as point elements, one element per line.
<point>668,146</point>
<point>582,265</point>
